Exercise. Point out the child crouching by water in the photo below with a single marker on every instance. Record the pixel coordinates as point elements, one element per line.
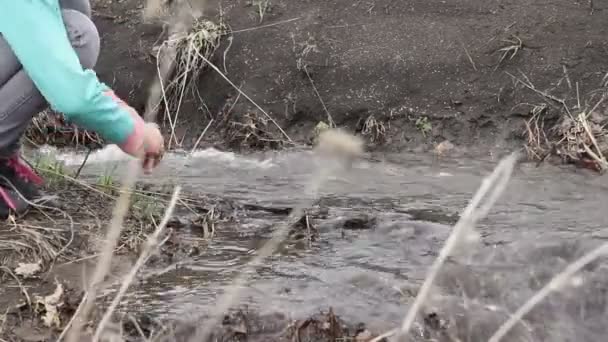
<point>48,49</point>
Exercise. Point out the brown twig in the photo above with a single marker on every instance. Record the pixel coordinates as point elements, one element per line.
<point>21,287</point>
<point>544,94</point>
<point>314,88</point>
<point>86,157</point>
<point>466,51</point>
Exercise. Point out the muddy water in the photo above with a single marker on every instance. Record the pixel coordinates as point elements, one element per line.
<point>368,275</point>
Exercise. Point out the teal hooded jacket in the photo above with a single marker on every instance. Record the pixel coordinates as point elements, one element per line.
<point>35,31</point>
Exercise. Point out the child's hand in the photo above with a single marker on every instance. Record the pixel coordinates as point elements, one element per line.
<point>145,142</point>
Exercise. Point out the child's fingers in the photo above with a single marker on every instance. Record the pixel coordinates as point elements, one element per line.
<point>151,161</point>
<point>146,165</point>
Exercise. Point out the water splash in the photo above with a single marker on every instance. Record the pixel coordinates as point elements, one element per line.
<point>113,154</point>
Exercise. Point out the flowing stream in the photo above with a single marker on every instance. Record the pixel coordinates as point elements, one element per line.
<point>547,216</point>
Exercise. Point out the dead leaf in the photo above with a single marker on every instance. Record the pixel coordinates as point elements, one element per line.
<point>28,270</point>
<point>51,305</point>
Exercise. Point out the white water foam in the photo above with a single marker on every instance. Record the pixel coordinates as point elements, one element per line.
<point>232,159</point>
<point>113,154</point>
<point>110,153</point>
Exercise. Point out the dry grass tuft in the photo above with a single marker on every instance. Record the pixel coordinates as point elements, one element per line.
<point>52,129</point>
<point>188,51</point>
<point>575,133</point>
<point>252,131</point>
<point>191,43</point>
<point>513,45</point>
<point>583,137</point>
<point>374,129</point>
<point>30,242</point>
<point>49,233</point>
<point>580,139</point>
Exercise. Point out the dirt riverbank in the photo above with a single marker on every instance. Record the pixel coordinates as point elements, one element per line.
<point>483,75</point>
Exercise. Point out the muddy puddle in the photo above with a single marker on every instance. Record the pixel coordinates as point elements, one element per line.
<point>382,225</point>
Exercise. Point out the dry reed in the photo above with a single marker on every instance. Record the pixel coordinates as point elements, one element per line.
<point>555,284</point>
<point>464,231</point>
<point>150,245</point>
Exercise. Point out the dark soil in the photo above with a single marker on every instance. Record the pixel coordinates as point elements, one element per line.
<point>418,72</point>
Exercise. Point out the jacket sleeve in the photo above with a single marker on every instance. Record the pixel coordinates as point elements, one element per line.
<point>35,31</point>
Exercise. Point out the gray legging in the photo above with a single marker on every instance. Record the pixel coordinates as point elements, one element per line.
<point>20,101</point>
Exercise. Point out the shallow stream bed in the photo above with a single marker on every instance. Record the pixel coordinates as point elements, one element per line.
<point>398,210</point>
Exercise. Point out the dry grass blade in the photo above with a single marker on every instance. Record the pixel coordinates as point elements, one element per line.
<point>149,246</point>
<point>111,240</point>
<point>470,58</point>
<point>556,283</point>
<point>23,289</point>
<point>214,67</point>
<point>528,84</point>
<point>599,157</point>
<point>115,229</point>
<point>330,120</point>
<point>201,137</point>
<point>385,335</point>
<point>492,187</point>
<point>30,233</point>
<point>69,324</point>
<point>266,26</point>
